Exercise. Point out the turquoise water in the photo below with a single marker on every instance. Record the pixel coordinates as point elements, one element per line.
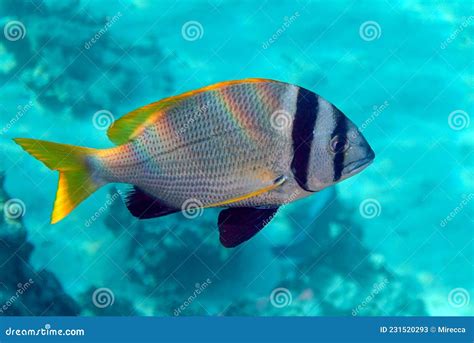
<point>394,240</point>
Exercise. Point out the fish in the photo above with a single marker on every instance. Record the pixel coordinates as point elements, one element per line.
<point>246,146</point>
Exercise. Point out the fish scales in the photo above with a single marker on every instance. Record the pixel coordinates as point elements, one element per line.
<point>214,146</point>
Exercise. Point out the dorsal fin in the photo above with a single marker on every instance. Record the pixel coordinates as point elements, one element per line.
<point>132,124</point>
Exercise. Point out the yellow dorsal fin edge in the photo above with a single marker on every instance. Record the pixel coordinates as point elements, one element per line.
<point>133,123</point>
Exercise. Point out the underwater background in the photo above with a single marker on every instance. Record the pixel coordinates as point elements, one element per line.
<point>396,239</point>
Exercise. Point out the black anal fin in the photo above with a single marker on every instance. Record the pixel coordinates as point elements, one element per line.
<point>143,205</point>
<point>237,225</point>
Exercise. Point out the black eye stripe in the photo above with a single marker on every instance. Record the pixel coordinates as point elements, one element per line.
<point>302,135</point>
<point>340,130</point>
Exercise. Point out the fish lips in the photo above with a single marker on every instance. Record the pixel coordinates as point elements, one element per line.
<point>359,165</point>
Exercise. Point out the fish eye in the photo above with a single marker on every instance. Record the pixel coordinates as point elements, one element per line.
<point>338,144</point>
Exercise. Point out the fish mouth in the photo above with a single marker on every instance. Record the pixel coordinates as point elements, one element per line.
<point>357,166</point>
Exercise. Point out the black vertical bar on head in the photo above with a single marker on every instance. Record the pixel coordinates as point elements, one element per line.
<point>340,130</point>
<point>303,134</point>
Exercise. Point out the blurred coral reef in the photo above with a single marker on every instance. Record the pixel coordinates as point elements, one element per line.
<point>23,290</point>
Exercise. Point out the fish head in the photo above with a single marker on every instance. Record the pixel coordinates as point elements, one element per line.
<point>338,149</point>
<point>358,153</point>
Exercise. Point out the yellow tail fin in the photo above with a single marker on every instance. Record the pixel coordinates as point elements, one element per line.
<point>75,182</point>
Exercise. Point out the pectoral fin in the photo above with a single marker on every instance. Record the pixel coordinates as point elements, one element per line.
<point>237,225</point>
<point>143,205</point>
<point>274,185</point>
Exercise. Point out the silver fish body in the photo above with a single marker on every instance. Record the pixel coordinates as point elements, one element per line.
<point>213,150</point>
<point>231,141</point>
<point>250,146</point>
